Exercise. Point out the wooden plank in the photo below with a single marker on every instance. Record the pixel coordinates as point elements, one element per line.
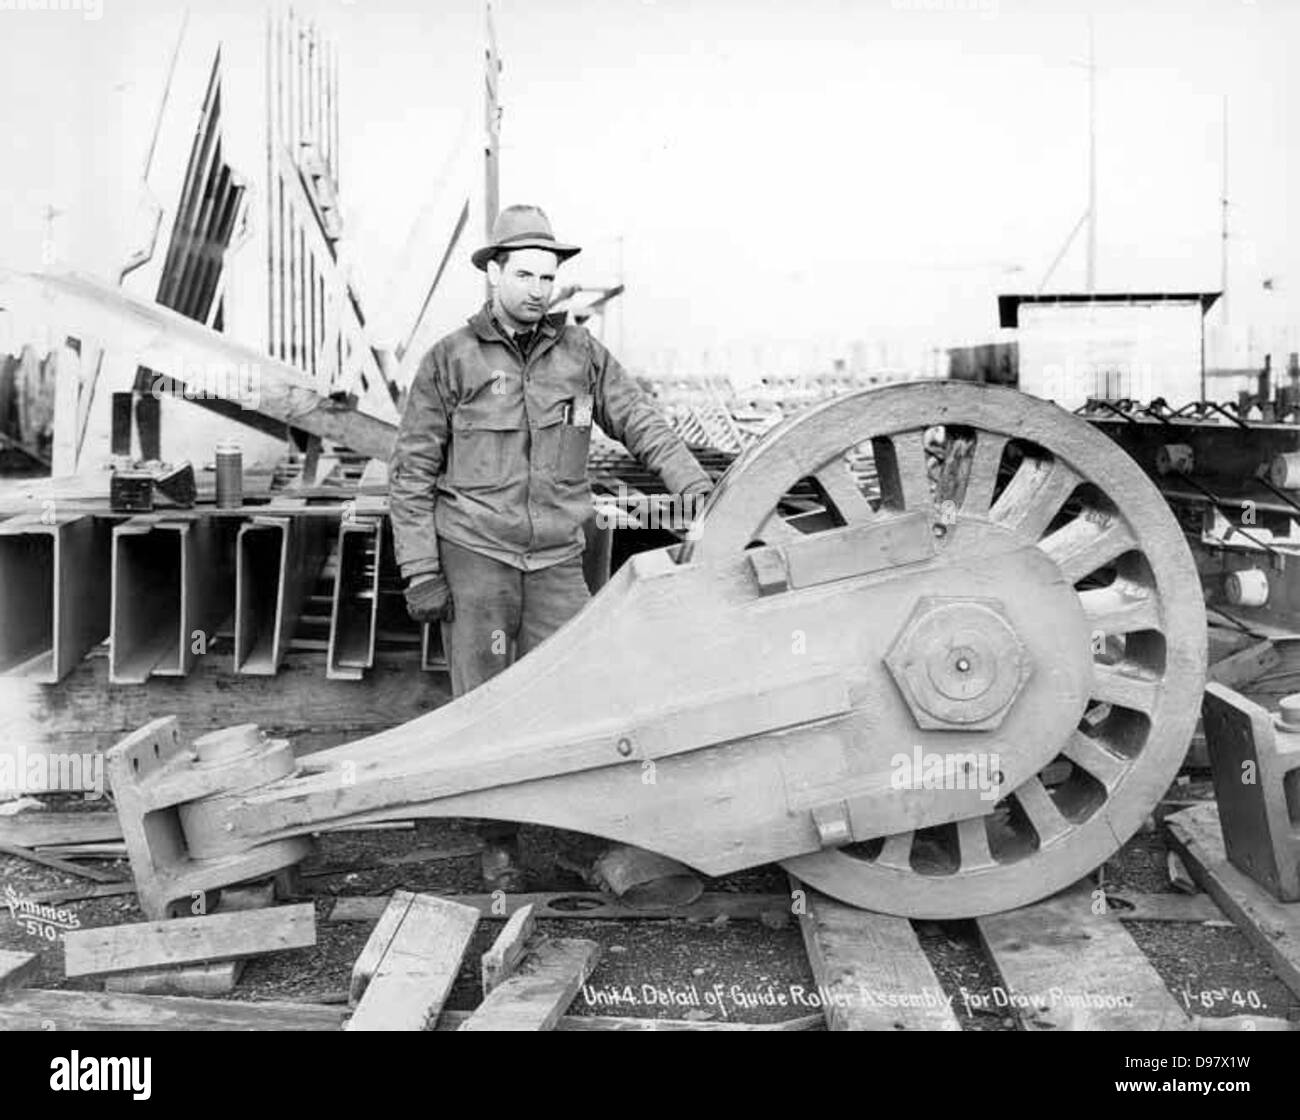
<point>588,906</point>
<point>508,949</point>
<point>870,969</point>
<point>31,1009</point>
<point>214,937</point>
<point>16,968</point>
<point>218,978</point>
<point>1066,968</point>
<point>535,997</point>
<point>418,968</point>
<point>376,947</point>
<point>1273,927</point>
<point>44,829</point>
<point>452,1020</point>
<point>17,851</point>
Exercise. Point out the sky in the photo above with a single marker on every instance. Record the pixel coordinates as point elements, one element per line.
<point>778,184</point>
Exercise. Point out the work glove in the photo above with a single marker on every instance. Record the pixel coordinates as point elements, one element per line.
<point>428,599</point>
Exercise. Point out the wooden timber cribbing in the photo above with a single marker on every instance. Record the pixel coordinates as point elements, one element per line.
<point>84,712</point>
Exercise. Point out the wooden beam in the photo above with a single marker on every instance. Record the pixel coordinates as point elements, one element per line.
<point>418,965</point>
<point>34,1010</point>
<point>1066,968</point>
<point>870,969</point>
<point>17,851</point>
<point>534,998</point>
<point>44,829</point>
<point>1272,927</point>
<point>91,952</point>
<point>589,906</point>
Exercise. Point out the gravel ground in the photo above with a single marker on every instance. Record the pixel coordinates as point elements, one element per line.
<point>664,968</point>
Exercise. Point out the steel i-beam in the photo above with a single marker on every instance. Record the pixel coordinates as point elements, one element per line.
<point>172,587</point>
<point>355,610</point>
<point>278,560</point>
<point>53,594</point>
<point>1255,756</point>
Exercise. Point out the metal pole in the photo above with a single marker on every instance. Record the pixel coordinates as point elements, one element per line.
<point>1092,159</point>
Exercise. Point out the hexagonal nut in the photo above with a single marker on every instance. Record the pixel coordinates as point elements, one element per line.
<point>959,663</point>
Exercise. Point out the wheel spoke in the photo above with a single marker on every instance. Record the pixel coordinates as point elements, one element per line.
<point>1087,543</point>
<point>1121,608</point>
<point>1042,812</point>
<point>1034,495</point>
<point>1125,686</point>
<point>983,473</point>
<point>973,844</point>
<point>1089,755</point>
<point>897,851</point>
<point>901,469</point>
<point>840,487</point>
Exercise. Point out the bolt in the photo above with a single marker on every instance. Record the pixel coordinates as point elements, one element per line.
<point>625,747</point>
<point>940,530</point>
<point>963,666</point>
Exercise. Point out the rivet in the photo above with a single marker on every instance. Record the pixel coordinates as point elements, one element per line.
<point>625,747</point>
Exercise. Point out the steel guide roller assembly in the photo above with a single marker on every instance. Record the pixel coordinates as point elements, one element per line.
<point>951,697</point>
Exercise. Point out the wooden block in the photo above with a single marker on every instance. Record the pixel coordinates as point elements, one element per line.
<point>16,969</point>
<point>1066,968</point>
<point>535,997</point>
<point>1272,926</point>
<point>508,949</point>
<point>31,1009</point>
<point>870,969</point>
<point>418,966</point>
<point>215,937</point>
<point>215,979</point>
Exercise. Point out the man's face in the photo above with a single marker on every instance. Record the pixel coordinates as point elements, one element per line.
<point>524,283</point>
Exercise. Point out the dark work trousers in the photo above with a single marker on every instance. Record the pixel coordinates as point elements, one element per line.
<point>501,613</point>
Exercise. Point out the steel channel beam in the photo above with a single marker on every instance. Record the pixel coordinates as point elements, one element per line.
<point>354,614</point>
<point>277,562</point>
<point>53,596</point>
<point>172,587</point>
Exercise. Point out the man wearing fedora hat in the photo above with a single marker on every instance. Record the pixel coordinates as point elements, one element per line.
<point>488,482</point>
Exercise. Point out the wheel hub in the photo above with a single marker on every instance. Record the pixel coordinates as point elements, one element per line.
<point>959,663</point>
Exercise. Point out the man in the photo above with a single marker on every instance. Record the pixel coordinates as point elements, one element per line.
<point>488,482</point>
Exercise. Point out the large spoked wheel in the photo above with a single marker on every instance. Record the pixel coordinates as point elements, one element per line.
<point>965,453</point>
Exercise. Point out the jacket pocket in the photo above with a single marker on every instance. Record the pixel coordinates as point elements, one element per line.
<point>485,450</point>
<point>571,462</point>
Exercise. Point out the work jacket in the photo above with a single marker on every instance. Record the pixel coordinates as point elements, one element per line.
<point>492,449</point>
